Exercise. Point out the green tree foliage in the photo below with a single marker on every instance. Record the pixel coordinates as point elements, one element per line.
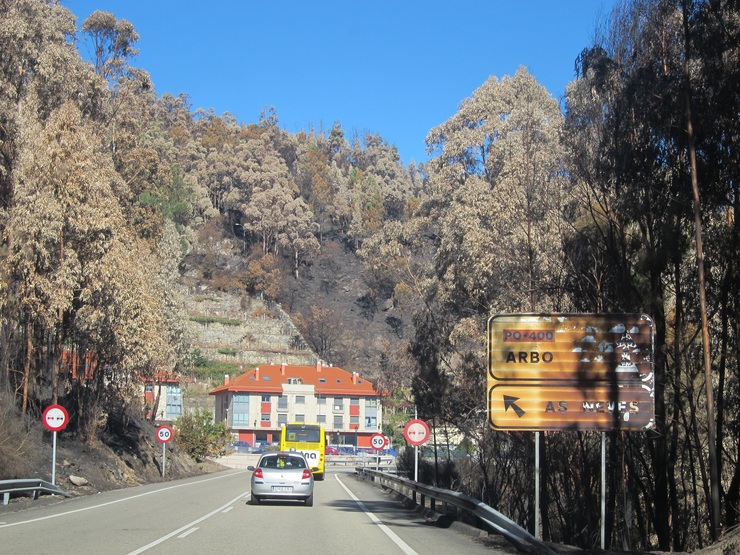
<point>199,437</point>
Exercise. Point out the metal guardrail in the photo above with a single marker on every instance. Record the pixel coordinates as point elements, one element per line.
<point>489,516</point>
<point>33,485</point>
<point>382,461</point>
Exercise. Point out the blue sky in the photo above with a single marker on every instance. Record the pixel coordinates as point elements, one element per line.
<point>392,67</point>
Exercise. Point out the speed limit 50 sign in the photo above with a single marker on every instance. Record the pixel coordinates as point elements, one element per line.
<point>378,441</point>
<point>164,434</point>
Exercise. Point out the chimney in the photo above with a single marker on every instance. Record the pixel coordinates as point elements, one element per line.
<point>282,369</point>
<point>226,379</point>
<point>318,367</point>
<point>257,373</point>
<point>354,377</point>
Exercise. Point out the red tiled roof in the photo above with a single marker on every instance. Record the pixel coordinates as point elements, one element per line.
<point>327,380</point>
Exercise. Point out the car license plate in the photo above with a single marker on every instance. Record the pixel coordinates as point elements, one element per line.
<point>282,488</point>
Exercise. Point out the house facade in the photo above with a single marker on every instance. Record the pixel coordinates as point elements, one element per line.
<point>258,403</point>
<point>163,390</point>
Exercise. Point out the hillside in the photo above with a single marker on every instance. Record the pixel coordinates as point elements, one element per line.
<point>227,325</point>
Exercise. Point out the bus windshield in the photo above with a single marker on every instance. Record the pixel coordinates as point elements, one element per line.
<point>303,434</point>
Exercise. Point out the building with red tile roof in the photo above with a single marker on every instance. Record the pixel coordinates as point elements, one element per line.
<point>256,404</point>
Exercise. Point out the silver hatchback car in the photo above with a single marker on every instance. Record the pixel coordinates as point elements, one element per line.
<point>282,476</point>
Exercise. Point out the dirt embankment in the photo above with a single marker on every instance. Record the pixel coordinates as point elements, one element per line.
<point>130,457</point>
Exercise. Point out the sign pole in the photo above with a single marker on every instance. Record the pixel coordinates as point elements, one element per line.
<point>164,435</point>
<point>53,458</point>
<point>416,453</point>
<point>537,485</point>
<point>603,489</point>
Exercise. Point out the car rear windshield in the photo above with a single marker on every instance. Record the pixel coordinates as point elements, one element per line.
<point>283,461</point>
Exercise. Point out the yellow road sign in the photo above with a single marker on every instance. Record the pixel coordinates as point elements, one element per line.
<point>570,371</point>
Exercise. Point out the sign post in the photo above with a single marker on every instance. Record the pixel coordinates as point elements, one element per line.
<point>416,433</point>
<point>570,372</point>
<point>55,418</point>
<point>164,436</point>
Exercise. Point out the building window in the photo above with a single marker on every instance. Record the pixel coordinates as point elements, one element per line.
<point>371,423</point>
<point>371,403</point>
<point>240,409</point>
<point>300,399</point>
<point>321,400</point>
<point>282,420</point>
<point>300,417</point>
<point>265,398</point>
<point>338,422</point>
<point>265,417</point>
<point>321,419</point>
<point>354,420</point>
<point>283,402</point>
<point>354,401</point>
<point>174,401</point>
<point>339,404</point>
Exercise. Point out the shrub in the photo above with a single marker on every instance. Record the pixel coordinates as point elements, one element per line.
<point>21,445</point>
<point>200,437</point>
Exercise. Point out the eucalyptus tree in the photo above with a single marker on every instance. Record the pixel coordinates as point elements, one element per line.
<point>715,40</point>
<point>265,190</point>
<point>314,181</point>
<point>112,42</point>
<point>32,86</point>
<point>265,216</point>
<point>80,277</point>
<point>382,161</point>
<point>220,164</point>
<point>31,68</point>
<point>629,134</point>
<point>497,186</point>
<point>298,234</point>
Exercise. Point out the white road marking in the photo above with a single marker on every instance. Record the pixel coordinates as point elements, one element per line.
<point>388,532</point>
<point>113,502</point>
<point>187,533</point>
<point>183,528</point>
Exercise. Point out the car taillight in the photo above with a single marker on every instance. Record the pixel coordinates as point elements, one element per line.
<point>258,473</point>
<point>306,474</point>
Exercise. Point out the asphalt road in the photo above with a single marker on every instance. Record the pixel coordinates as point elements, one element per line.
<point>210,514</point>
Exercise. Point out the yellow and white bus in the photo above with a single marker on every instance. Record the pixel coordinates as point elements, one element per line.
<point>310,440</point>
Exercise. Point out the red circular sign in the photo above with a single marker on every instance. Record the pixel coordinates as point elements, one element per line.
<point>416,432</point>
<point>55,418</point>
<point>378,441</point>
<point>164,434</point>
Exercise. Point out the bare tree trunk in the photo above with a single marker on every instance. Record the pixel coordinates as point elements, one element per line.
<point>27,367</point>
<point>58,349</point>
<point>155,405</point>
<point>712,439</point>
